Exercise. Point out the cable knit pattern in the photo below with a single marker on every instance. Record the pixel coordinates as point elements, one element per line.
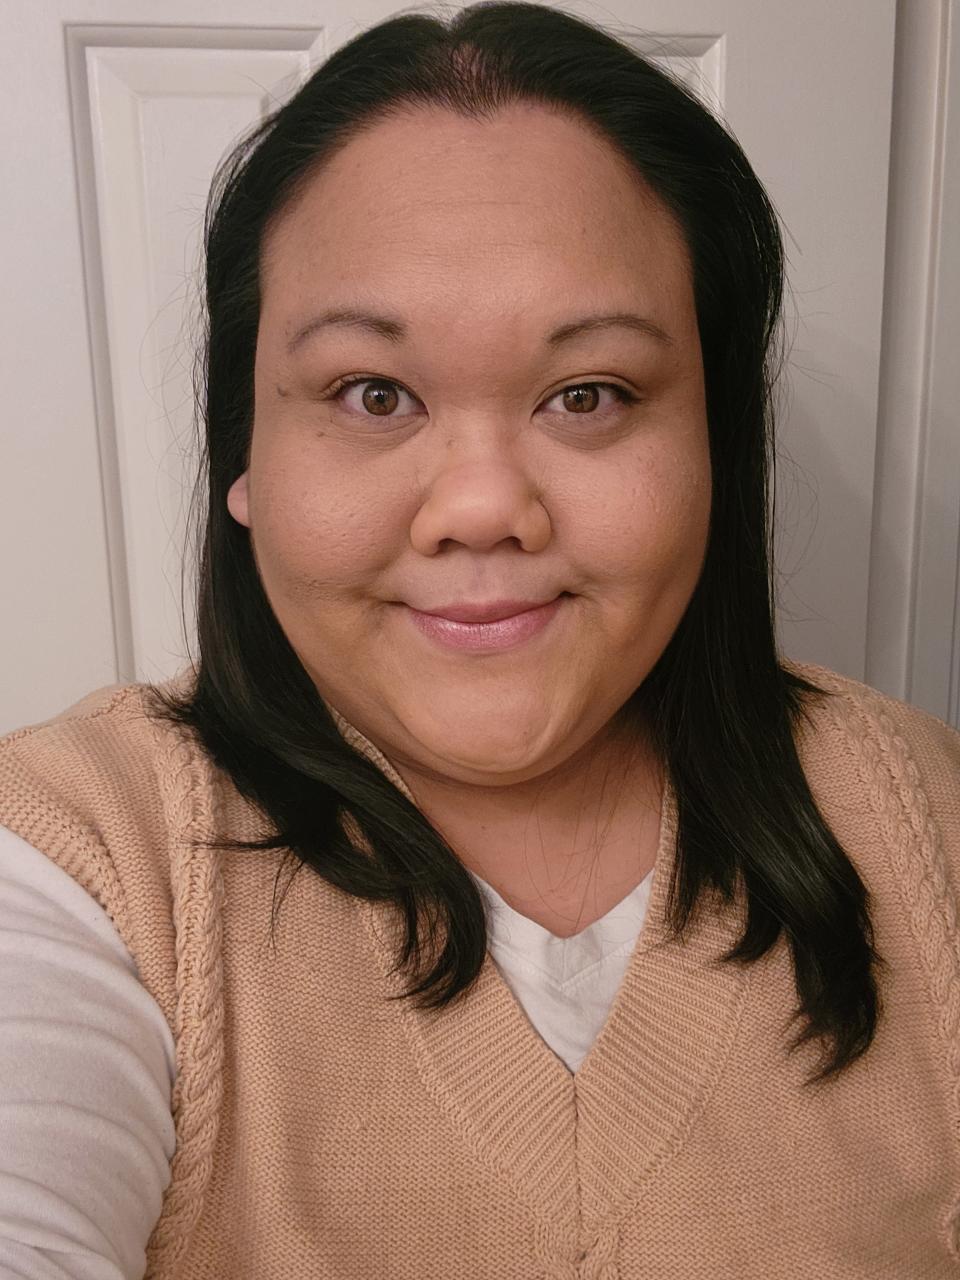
<point>328,1132</point>
<point>187,786</point>
<point>890,779</point>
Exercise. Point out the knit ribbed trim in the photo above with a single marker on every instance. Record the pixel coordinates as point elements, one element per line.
<point>190,791</point>
<point>647,1078</point>
<point>78,849</point>
<point>74,846</point>
<point>893,787</point>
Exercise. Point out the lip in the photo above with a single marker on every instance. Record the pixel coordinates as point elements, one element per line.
<point>485,637</point>
<point>492,611</point>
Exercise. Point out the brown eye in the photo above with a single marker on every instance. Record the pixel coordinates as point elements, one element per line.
<point>581,399</point>
<point>584,397</point>
<point>379,397</point>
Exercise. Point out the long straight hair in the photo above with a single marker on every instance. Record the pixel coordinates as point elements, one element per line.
<point>719,706</point>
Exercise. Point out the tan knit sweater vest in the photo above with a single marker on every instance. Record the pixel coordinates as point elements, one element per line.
<point>327,1133</point>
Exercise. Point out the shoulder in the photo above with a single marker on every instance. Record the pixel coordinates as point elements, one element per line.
<point>882,764</point>
<point>101,711</point>
<point>903,733</point>
<point>112,794</point>
<point>107,746</point>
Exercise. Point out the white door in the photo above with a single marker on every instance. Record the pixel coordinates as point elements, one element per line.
<point>115,115</point>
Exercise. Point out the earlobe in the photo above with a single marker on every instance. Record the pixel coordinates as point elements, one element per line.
<point>238,500</point>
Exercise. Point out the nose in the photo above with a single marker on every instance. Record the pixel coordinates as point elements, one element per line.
<point>479,503</point>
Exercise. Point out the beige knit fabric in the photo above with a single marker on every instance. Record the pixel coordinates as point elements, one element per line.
<point>327,1133</point>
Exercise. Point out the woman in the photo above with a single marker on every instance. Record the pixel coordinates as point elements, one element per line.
<point>492,306</point>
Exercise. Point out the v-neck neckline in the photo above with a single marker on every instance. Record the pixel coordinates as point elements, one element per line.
<point>580,1143</point>
<point>534,929</point>
<point>563,961</point>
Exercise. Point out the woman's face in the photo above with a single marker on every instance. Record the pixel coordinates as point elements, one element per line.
<point>472,469</point>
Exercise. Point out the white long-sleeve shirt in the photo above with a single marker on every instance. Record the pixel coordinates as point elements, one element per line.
<point>87,1060</point>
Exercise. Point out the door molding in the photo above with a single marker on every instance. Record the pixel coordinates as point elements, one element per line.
<point>913,632</point>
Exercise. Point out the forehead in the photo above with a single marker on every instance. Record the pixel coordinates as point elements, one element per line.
<point>524,209</point>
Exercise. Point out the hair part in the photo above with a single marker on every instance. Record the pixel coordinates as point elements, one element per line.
<point>721,707</point>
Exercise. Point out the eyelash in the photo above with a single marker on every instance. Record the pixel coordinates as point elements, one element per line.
<point>622,394</point>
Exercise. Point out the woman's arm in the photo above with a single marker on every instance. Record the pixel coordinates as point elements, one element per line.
<point>87,1067</point>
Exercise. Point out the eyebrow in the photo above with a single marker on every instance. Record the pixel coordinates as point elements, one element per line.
<point>395,330</point>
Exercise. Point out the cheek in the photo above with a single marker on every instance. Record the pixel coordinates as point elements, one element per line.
<point>313,535</point>
<point>649,525</point>
<point>675,495</point>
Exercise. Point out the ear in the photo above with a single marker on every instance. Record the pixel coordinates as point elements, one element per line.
<point>238,500</point>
